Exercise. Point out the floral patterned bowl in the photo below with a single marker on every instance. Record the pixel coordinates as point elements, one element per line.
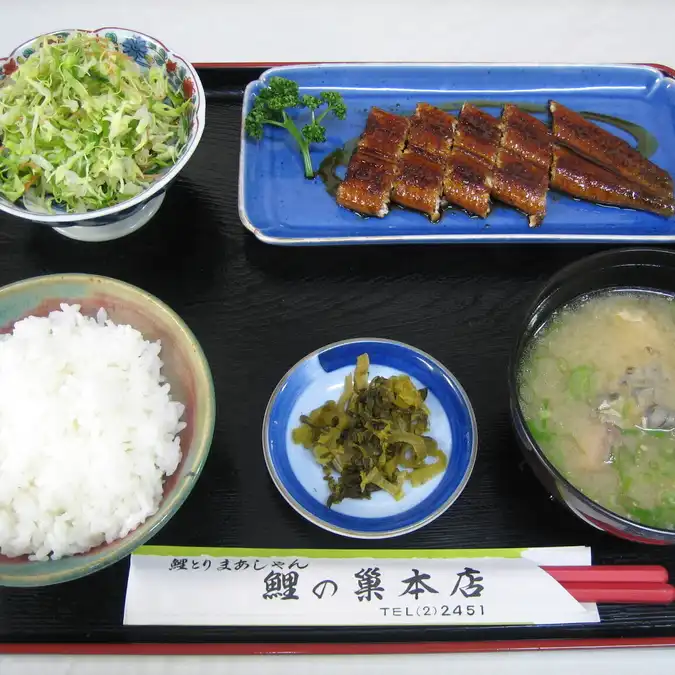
<point>121,219</point>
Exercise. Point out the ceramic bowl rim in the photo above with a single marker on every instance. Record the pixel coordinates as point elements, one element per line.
<point>196,132</point>
<point>358,534</point>
<point>120,548</point>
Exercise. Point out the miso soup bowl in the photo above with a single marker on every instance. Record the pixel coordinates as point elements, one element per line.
<point>631,268</point>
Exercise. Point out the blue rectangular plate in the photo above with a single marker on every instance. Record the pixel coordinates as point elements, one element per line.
<point>280,206</point>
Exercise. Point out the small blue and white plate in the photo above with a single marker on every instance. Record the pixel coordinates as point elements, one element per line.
<point>319,377</point>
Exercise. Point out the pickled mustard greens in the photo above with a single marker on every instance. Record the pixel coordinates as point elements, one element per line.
<point>373,438</point>
<point>597,389</point>
<point>83,127</point>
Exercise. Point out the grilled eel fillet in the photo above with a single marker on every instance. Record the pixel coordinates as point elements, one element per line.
<point>374,165</point>
<point>367,184</point>
<point>478,132</point>
<point>465,182</point>
<point>507,160</point>
<point>519,183</point>
<point>609,151</point>
<point>475,148</point>
<point>425,140</point>
<point>580,178</point>
<point>526,136</point>
<point>385,134</point>
<point>444,122</point>
<point>520,175</point>
<point>432,131</point>
<point>419,183</point>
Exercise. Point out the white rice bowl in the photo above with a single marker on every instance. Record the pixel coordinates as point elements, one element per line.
<point>88,432</point>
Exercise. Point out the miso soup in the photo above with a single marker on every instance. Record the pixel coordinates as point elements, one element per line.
<point>597,389</point>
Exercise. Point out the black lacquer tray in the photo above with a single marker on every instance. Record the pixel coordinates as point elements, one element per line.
<point>256,310</point>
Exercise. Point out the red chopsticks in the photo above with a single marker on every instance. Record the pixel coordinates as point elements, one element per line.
<point>622,584</point>
<point>606,574</point>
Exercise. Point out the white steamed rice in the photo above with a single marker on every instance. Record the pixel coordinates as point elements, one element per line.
<point>88,431</point>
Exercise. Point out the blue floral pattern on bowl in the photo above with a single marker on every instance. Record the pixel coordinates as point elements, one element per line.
<point>146,51</point>
<point>137,48</point>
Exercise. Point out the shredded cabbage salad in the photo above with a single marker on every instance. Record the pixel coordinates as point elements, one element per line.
<point>82,126</point>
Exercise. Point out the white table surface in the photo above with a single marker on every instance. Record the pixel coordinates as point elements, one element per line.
<point>376,30</point>
<point>637,31</point>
